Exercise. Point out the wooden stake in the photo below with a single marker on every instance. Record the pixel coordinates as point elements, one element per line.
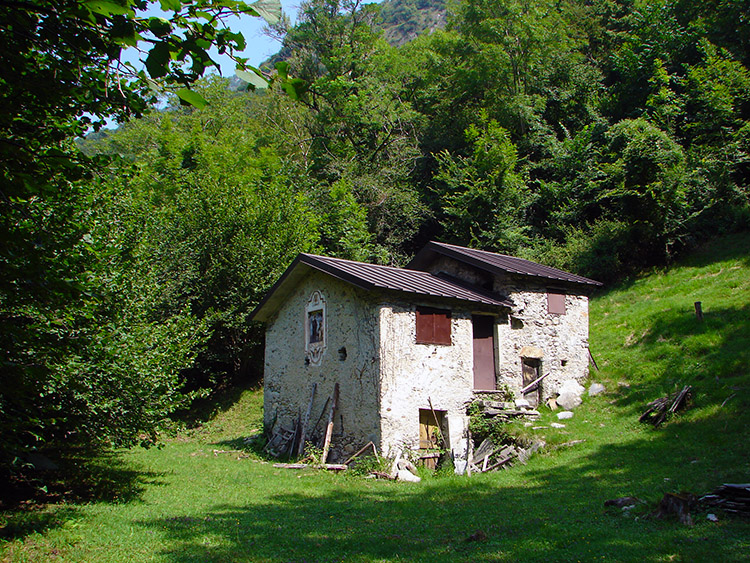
<point>329,428</point>
<point>362,449</point>
<point>593,361</point>
<point>305,422</point>
<point>698,311</point>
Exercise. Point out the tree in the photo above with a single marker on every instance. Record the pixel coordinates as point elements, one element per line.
<point>482,196</point>
<point>363,135</point>
<point>211,213</point>
<point>83,362</point>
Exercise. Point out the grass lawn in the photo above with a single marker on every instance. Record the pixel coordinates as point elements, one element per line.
<point>184,503</point>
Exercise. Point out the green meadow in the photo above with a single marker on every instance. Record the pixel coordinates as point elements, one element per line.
<point>206,497</point>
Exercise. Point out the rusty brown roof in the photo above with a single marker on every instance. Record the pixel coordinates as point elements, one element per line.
<point>374,277</point>
<point>496,263</point>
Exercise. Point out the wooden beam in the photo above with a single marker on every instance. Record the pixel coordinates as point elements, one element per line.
<point>329,427</point>
<point>305,422</point>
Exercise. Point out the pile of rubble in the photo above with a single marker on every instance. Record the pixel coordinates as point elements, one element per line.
<point>506,411</point>
<point>491,457</point>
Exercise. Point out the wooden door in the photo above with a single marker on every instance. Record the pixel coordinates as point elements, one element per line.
<point>530,373</point>
<point>484,352</point>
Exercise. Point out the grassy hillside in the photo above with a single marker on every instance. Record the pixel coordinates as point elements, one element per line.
<point>187,503</point>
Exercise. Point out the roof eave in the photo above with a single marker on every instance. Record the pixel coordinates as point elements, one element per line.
<point>433,248</point>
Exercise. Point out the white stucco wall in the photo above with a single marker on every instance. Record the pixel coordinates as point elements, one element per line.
<point>350,323</point>
<point>414,374</point>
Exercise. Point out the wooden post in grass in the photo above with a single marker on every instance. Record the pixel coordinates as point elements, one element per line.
<point>698,311</point>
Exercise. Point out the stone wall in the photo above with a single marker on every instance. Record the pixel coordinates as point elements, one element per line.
<point>350,358</point>
<point>559,341</point>
<point>413,375</point>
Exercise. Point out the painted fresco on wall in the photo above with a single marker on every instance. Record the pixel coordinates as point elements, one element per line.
<point>315,328</point>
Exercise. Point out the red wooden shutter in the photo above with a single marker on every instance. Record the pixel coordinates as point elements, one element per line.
<point>556,303</point>
<point>433,326</point>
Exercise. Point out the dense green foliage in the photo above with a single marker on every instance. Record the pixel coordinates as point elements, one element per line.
<point>600,136</point>
<point>84,360</point>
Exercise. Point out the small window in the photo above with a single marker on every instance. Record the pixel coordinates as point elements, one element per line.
<point>556,303</point>
<point>431,424</point>
<point>433,326</point>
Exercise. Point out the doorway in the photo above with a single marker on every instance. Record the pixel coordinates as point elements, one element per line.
<point>484,352</point>
<point>532,370</point>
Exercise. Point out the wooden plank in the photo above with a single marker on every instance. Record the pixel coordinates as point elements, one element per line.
<point>305,422</point>
<point>329,427</point>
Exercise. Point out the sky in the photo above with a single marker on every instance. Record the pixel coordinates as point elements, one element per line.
<point>259,46</point>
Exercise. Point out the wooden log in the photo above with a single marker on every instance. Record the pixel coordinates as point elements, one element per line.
<point>322,413</point>
<point>329,427</point>
<point>335,467</point>
<point>497,464</point>
<point>305,422</point>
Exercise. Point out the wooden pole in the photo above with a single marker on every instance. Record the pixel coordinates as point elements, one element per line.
<point>437,423</point>
<point>329,427</point>
<point>531,385</point>
<point>305,422</point>
<point>698,311</point>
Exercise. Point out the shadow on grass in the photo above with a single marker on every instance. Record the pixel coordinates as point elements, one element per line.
<point>36,501</point>
<point>549,513</point>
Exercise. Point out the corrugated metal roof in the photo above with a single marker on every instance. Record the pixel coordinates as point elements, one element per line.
<point>497,263</point>
<point>372,276</point>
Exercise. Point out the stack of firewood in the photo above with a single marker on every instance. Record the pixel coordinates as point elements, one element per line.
<point>657,411</point>
<point>732,498</point>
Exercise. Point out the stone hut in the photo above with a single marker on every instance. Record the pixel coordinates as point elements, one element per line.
<point>410,347</point>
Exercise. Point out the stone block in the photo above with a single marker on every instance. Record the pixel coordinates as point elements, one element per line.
<point>569,401</point>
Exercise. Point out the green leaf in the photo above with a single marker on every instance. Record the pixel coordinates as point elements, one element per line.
<point>170,5</point>
<point>192,98</point>
<point>252,78</point>
<point>295,87</point>
<point>269,10</point>
<point>282,68</point>
<point>159,26</point>
<point>156,62</point>
<point>105,8</point>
